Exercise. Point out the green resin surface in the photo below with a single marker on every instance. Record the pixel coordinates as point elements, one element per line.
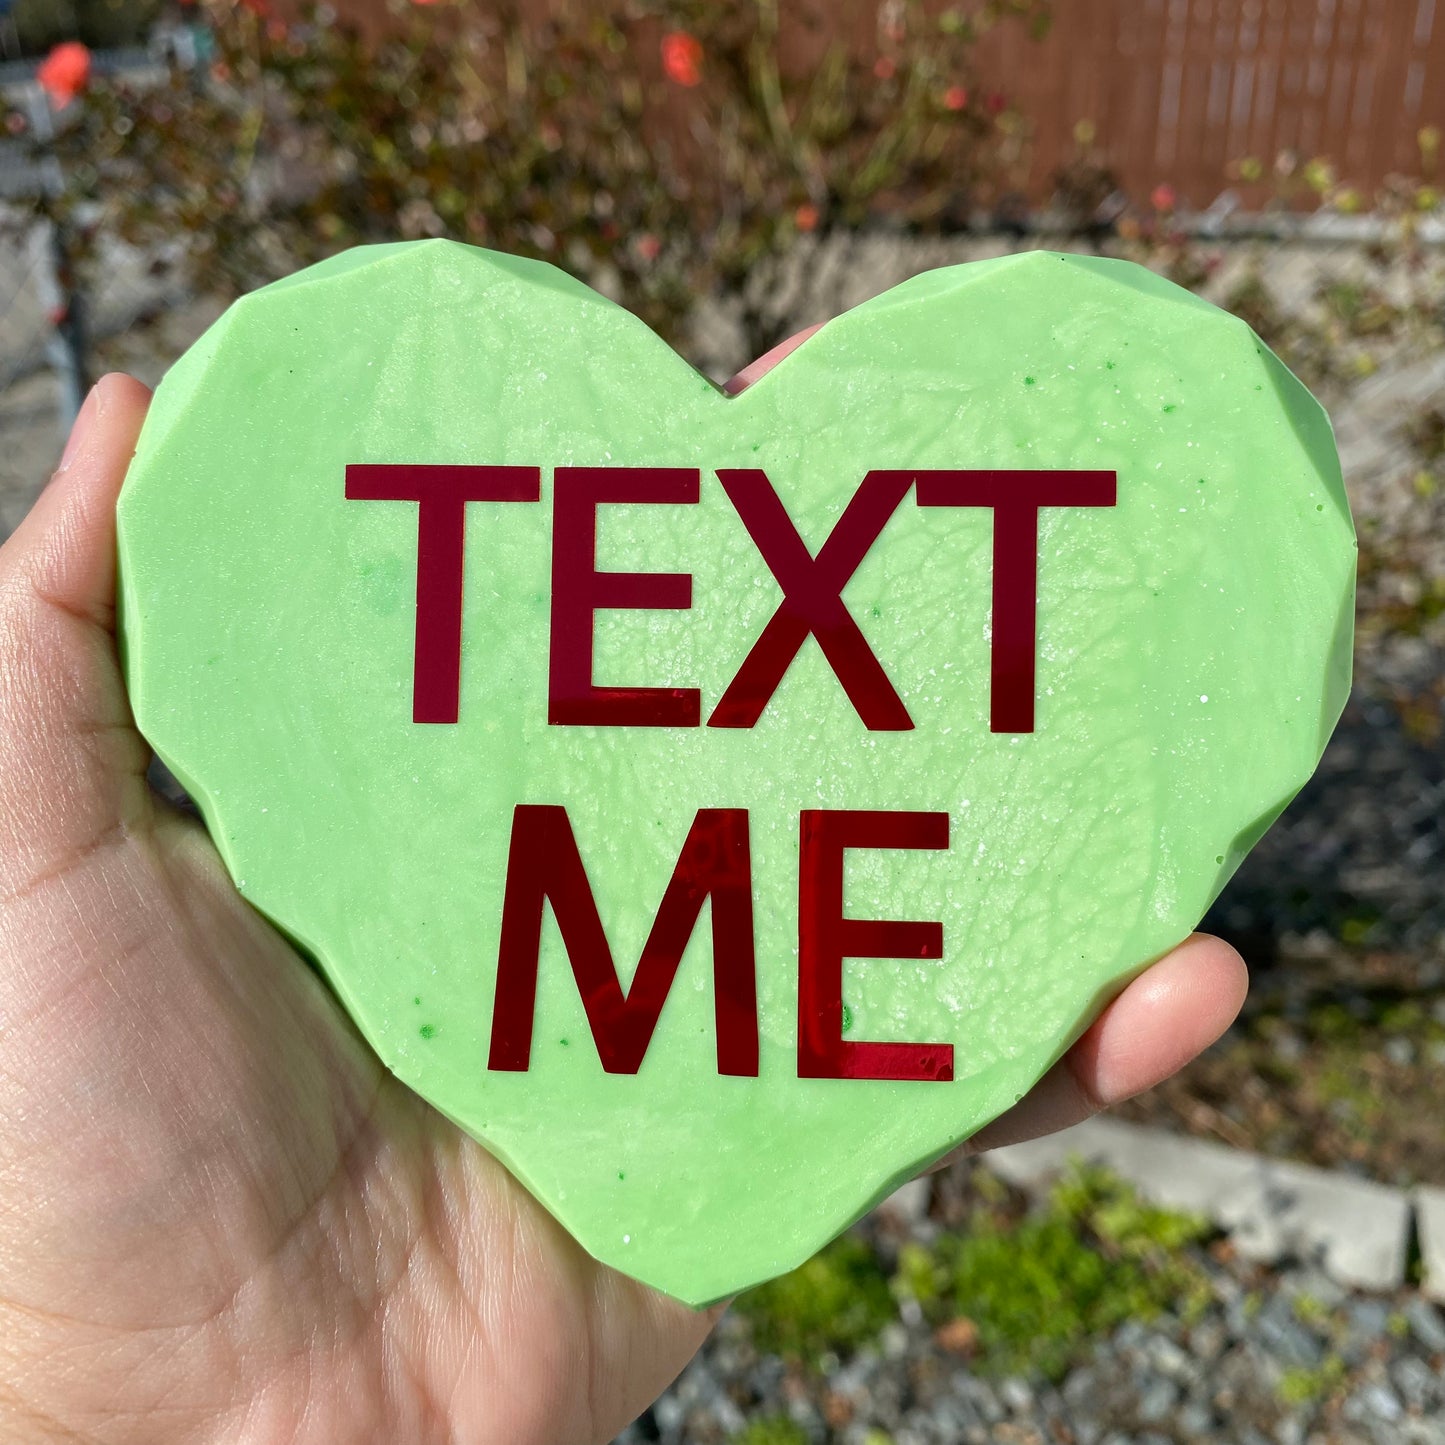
<point>1193,654</point>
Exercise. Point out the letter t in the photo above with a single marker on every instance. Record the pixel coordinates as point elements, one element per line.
<point>442,493</point>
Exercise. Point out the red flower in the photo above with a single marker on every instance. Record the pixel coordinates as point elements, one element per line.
<point>995,101</point>
<point>884,67</point>
<point>648,246</point>
<point>1162,197</point>
<point>65,72</point>
<point>955,98</point>
<point>806,217</point>
<point>682,57</point>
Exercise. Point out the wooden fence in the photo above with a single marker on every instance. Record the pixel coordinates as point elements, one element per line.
<point>1178,89</point>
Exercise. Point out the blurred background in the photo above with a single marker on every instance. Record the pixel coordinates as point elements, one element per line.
<point>733,172</point>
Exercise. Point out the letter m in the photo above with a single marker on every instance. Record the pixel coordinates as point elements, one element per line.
<point>544,865</point>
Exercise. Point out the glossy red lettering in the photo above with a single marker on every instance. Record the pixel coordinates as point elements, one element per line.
<point>544,865</point>
<point>1015,497</point>
<point>826,937</point>
<point>579,589</point>
<point>811,600</point>
<point>442,494</point>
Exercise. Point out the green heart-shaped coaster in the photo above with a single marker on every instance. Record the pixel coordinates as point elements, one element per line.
<point>1017,601</point>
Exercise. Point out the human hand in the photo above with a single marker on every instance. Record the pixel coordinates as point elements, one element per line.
<point>220,1216</point>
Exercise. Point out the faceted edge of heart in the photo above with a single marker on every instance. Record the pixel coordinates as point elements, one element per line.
<point>1131,274</point>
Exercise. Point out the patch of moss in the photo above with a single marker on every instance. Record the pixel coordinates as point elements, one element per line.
<point>1042,1289</point>
<point>773,1430</point>
<point>920,1276</point>
<point>1113,1210</point>
<point>836,1302</point>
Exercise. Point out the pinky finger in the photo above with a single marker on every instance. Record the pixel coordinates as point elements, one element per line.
<point>1161,1021</point>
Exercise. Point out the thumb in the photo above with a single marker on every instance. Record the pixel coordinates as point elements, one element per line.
<point>72,767</point>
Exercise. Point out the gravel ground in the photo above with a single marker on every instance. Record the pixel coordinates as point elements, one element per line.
<point>1283,1357</point>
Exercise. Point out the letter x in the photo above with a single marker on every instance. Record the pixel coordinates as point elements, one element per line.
<point>811,599</point>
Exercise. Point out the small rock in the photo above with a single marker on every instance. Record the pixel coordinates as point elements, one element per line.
<point>1238,1317</point>
<point>1290,1431</point>
<point>1416,1382</point>
<point>893,1341</point>
<point>1400,1052</point>
<point>1169,1359</point>
<point>1426,1325</point>
<point>837,1409</point>
<point>1196,1420</point>
<point>951,1420</point>
<point>1016,1394</point>
<point>1277,1326</point>
<point>668,1413</point>
<point>725,1411</point>
<point>1369,1319</point>
<point>1375,1402</point>
<point>1319,1286</point>
<point>1289,1341</point>
<point>958,1337</point>
<point>983,1399</point>
<point>1207,1340</point>
<point>1157,1401</point>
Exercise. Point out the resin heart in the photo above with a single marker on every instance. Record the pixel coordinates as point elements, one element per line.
<point>952,669</point>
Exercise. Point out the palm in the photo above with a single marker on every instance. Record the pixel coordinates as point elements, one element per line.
<point>219,1215</point>
<point>236,1184</point>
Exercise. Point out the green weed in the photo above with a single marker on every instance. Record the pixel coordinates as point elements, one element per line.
<point>1301,1386</point>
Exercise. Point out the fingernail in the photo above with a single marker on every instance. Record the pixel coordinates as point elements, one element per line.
<point>78,431</point>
